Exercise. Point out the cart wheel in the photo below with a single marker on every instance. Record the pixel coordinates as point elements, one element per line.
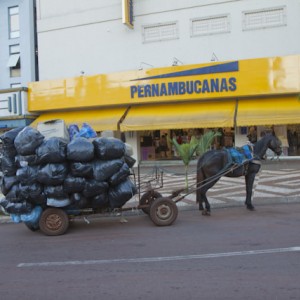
<point>32,227</point>
<point>163,212</point>
<point>147,199</point>
<point>54,221</point>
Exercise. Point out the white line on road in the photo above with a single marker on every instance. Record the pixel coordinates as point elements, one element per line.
<point>157,259</point>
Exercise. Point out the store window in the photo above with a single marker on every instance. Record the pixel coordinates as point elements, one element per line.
<point>14,22</point>
<point>156,145</point>
<point>14,61</point>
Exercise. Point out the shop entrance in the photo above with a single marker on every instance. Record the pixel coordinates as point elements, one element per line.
<point>156,144</point>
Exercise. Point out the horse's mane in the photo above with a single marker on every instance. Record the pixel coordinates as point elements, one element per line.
<point>261,146</point>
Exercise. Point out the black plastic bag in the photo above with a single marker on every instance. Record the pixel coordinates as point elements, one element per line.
<point>120,194</point>
<point>19,208</point>
<point>8,166</point>
<point>79,169</point>
<point>39,199</point>
<point>28,140</point>
<point>99,201</point>
<point>130,161</point>
<point>27,175</point>
<point>52,150</point>
<point>30,191</point>
<point>27,160</point>
<point>9,151</point>
<point>55,191</point>
<point>8,137</point>
<point>78,201</point>
<point>94,188</point>
<point>7,182</point>
<point>74,184</point>
<point>13,194</point>
<point>53,174</point>
<point>81,150</point>
<point>3,202</point>
<point>120,176</point>
<point>109,148</point>
<point>103,170</point>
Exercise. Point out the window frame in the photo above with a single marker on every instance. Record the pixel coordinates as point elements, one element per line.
<point>160,25</point>
<point>265,25</point>
<point>13,34</point>
<point>226,30</point>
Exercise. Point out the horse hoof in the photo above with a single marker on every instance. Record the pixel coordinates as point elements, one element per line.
<point>205,213</point>
<point>250,207</point>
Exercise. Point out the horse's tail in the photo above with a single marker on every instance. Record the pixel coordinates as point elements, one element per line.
<point>200,180</point>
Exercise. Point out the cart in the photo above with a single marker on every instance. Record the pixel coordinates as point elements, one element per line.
<point>162,211</point>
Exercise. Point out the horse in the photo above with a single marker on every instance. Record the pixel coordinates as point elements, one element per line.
<point>214,164</point>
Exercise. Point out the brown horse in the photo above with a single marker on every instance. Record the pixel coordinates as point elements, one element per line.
<point>214,164</point>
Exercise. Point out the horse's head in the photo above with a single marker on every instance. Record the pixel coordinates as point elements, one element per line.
<point>275,144</point>
<point>269,141</point>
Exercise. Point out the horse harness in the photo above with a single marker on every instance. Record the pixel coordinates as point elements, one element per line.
<point>241,156</point>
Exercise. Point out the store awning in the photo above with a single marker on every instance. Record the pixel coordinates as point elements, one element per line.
<point>180,115</point>
<point>268,111</point>
<point>99,120</point>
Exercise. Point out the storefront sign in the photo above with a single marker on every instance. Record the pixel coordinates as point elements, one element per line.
<point>245,78</point>
<point>213,85</point>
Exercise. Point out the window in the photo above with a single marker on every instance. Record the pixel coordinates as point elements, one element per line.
<point>160,32</point>
<point>210,25</point>
<point>14,22</point>
<point>14,62</point>
<point>265,18</point>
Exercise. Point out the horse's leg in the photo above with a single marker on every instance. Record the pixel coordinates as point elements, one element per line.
<point>206,211</point>
<point>249,180</point>
<point>253,169</point>
<point>201,197</point>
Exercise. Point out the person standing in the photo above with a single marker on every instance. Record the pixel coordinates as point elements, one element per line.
<point>163,146</point>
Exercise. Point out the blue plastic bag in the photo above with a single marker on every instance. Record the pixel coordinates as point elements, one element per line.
<point>73,130</point>
<point>86,131</point>
<point>32,217</point>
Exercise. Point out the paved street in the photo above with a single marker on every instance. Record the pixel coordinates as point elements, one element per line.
<point>234,254</point>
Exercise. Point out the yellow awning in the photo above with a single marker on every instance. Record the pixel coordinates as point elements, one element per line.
<point>99,120</point>
<point>180,115</point>
<point>268,111</point>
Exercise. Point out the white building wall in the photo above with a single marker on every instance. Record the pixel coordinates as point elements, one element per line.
<point>26,42</point>
<point>88,36</point>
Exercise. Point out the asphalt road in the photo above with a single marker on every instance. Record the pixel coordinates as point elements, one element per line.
<point>234,254</point>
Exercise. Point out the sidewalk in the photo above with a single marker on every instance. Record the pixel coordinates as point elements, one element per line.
<point>277,182</point>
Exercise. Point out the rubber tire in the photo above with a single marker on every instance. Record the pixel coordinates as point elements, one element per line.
<point>32,227</point>
<point>163,212</point>
<point>54,221</point>
<point>148,198</point>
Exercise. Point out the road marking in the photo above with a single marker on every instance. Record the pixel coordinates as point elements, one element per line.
<point>156,259</point>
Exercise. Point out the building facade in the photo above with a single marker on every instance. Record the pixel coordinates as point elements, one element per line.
<point>18,60</point>
<point>79,41</point>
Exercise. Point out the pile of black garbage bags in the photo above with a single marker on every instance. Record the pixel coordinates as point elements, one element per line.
<point>72,175</point>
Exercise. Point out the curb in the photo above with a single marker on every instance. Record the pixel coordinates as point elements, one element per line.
<point>5,219</point>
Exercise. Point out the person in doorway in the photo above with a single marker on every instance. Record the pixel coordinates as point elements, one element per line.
<point>163,146</point>
<point>252,136</point>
